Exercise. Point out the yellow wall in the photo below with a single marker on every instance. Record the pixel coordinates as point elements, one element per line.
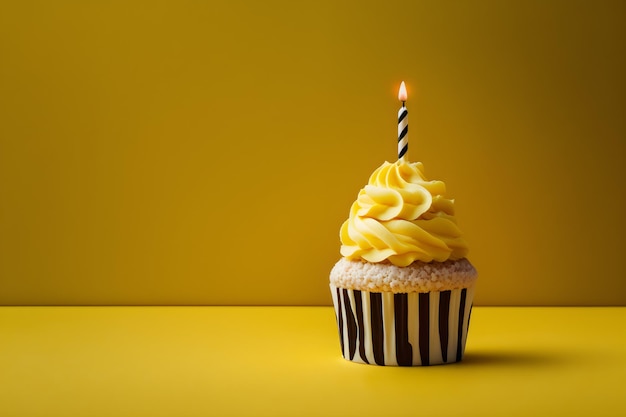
<point>192,152</point>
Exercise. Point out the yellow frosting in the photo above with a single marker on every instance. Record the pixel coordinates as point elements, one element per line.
<point>402,217</point>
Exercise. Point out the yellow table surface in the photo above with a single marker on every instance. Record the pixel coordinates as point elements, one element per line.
<point>285,361</point>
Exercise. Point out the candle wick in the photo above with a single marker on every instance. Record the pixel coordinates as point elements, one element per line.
<point>403,104</point>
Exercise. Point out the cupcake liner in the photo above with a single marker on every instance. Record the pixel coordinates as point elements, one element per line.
<point>403,329</point>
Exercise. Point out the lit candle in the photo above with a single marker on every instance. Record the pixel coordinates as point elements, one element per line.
<point>403,123</point>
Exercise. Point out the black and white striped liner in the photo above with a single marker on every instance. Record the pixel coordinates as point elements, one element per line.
<point>403,329</point>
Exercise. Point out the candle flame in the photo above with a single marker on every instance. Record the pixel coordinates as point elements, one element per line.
<point>402,93</point>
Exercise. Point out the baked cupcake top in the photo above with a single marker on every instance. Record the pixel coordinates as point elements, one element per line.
<point>401,217</point>
<point>417,277</point>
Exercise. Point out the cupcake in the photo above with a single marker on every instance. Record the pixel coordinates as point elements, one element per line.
<point>403,289</point>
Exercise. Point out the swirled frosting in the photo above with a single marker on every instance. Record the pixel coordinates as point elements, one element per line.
<point>402,217</point>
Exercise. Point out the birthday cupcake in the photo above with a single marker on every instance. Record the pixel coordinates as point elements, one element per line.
<point>403,290</point>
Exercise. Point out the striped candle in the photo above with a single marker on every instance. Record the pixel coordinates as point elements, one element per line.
<point>403,123</point>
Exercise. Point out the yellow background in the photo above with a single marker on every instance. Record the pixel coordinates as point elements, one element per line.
<point>188,152</point>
